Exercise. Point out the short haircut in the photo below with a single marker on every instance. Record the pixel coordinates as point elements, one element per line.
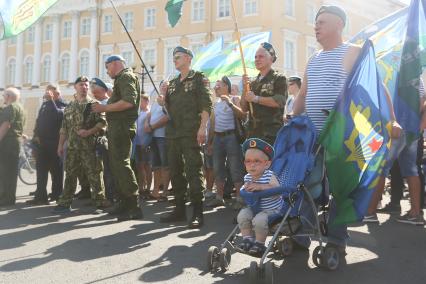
<point>145,97</point>
<point>12,92</point>
<point>53,87</point>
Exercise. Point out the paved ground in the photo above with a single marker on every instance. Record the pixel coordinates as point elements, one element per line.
<point>39,247</point>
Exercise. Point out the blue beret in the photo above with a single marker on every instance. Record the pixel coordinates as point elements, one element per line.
<point>270,49</point>
<point>99,82</point>
<point>81,79</point>
<point>332,9</point>
<point>183,50</point>
<point>112,58</point>
<point>256,143</point>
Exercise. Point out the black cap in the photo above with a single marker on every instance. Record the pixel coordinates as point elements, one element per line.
<point>81,79</point>
<point>226,80</point>
<point>183,50</point>
<point>332,9</point>
<point>99,82</point>
<point>270,49</point>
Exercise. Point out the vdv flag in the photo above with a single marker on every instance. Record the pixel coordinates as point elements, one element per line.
<point>228,61</point>
<point>399,39</point>
<point>207,52</point>
<point>356,138</point>
<point>18,15</point>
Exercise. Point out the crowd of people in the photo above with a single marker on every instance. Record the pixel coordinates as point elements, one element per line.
<point>121,144</point>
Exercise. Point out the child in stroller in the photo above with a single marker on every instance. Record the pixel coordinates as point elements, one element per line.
<point>258,155</point>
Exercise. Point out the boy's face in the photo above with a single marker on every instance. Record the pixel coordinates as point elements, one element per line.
<point>256,162</point>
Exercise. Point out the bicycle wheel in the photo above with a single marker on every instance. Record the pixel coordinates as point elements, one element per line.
<point>27,171</point>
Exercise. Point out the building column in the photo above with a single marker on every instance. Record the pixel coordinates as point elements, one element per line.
<point>19,60</point>
<point>37,54</point>
<point>55,49</point>
<point>93,42</point>
<point>3,64</point>
<point>74,47</point>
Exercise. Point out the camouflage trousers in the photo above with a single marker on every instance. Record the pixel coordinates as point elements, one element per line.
<point>75,161</point>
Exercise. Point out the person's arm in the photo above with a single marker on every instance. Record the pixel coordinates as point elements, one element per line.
<point>121,105</point>
<point>160,123</point>
<point>4,128</point>
<point>205,108</point>
<point>277,100</point>
<point>62,139</point>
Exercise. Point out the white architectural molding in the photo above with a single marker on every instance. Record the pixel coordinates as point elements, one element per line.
<point>3,64</point>
<point>19,60</point>
<point>74,46</point>
<point>55,49</point>
<point>93,42</point>
<point>37,54</point>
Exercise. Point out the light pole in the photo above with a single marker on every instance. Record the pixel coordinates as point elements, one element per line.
<point>143,73</point>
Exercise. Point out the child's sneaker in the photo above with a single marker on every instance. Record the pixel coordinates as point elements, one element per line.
<point>258,249</point>
<point>244,246</point>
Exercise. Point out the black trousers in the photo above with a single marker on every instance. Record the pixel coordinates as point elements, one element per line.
<point>9,160</point>
<point>49,161</point>
<point>397,181</point>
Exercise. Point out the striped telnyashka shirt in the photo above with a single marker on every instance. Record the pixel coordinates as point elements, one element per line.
<point>326,78</point>
<point>266,203</point>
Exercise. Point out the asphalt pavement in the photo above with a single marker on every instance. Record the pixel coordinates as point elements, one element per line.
<point>37,246</point>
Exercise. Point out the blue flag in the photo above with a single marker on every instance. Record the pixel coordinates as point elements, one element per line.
<point>207,52</point>
<point>356,138</point>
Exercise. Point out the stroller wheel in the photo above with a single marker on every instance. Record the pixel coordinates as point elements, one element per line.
<point>225,259</point>
<point>286,246</point>
<point>254,273</point>
<point>268,273</point>
<point>331,258</point>
<point>317,256</point>
<point>212,258</point>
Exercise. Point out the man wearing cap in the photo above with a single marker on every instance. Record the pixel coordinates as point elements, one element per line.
<point>294,84</point>
<point>99,90</point>
<point>80,128</point>
<point>188,102</point>
<point>323,82</point>
<point>268,93</point>
<point>121,114</point>
<point>46,136</point>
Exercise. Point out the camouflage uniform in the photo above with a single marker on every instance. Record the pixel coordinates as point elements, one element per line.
<point>185,102</point>
<point>80,151</point>
<point>9,152</point>
<point>268,120</point>
<point>121,131</point>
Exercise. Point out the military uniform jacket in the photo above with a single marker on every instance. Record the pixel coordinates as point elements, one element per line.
<point>78,115</point>
<point>268,120</point>
<point>126,88</point>
<point>14,114</point>
<point>185,101</point>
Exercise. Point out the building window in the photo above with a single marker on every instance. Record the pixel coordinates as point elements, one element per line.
<point>289,55</point>
<point>310,51</point>
<point>45,74</point>
<point>310,14</point>
<point>170,66</point>
<point>128,20</point>
<point>149,57</point>
<point>250,7</point>
<point>84,63</point>
<point>102,72</point>
<point>196,47</point>
<point>149,17</point>
<point>28,71</point>
<point>65,67</point>
<point>30,34</point>
<point>289,8</point>
<point>107,23</point>
<point>48,30</point>
<point>12,40</point>
<point>223,8</point>
<point>85,26</point>
<point>66,32</point>
<point>128,57</point>
<point>198,10</point>
<point>11,68</point>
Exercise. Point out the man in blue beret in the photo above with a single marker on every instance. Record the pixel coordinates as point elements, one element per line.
<point>267,94</point>
<point>121,114</point>
<point>188,101</point>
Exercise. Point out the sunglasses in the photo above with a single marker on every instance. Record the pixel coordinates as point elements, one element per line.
<point>176,57</point>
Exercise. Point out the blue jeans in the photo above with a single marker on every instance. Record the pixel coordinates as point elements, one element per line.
<point>159,153</point>
<point>227,149</point>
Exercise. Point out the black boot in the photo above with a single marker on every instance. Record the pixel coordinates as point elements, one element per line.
<point>177,215</point>
<point>119,207</point>
<point>132,212</point>
<point>197,219</point>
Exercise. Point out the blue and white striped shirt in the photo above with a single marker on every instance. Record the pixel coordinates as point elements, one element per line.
<point>326,78</point>
<point>266,203</point>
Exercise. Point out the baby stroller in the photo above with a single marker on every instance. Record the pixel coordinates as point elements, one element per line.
<point>293,162</point>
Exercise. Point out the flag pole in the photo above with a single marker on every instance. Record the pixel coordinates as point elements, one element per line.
<point>246,87</point>
<point>134,46</point>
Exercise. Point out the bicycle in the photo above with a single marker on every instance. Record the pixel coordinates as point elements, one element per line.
<point>27,165</point>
